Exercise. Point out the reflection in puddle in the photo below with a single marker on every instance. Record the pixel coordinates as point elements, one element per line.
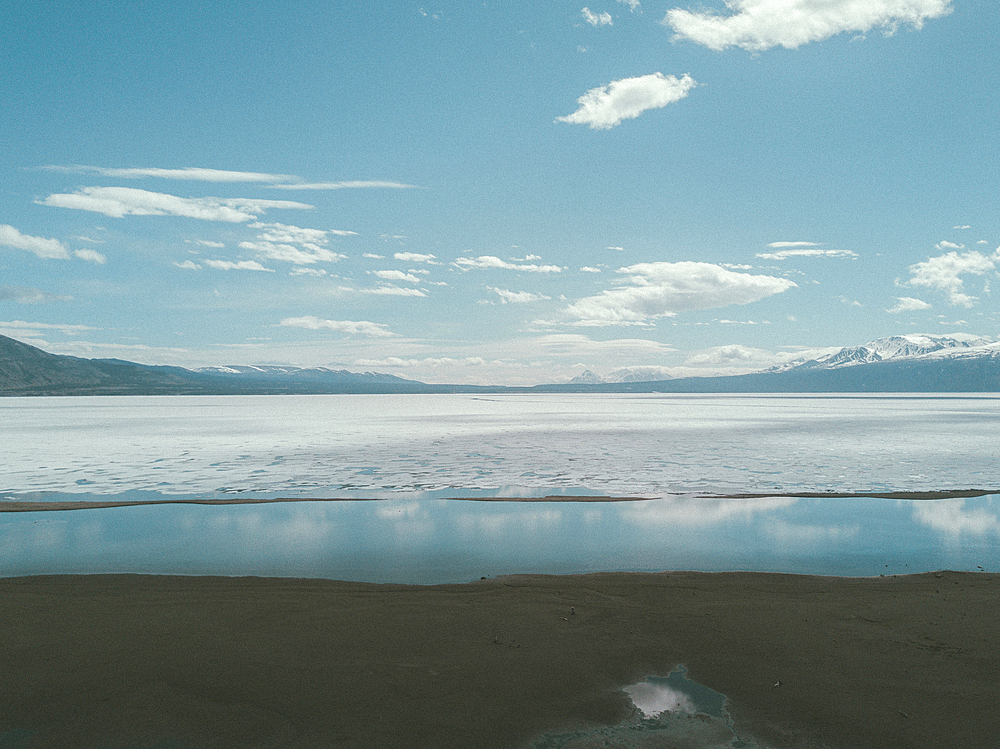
<point>671,711</point>
<point>675,693</point>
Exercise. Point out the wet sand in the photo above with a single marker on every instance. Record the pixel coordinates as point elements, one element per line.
<point>128,661</point>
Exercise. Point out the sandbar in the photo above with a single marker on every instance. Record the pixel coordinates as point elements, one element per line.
<point>130,661</point>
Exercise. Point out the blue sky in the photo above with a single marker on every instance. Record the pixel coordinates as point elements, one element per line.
<point>497,192</point>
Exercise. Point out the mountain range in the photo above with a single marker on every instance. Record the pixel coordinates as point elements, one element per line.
<point>905,363</point>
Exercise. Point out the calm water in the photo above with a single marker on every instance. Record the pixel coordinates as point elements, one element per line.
<point>416,451</point>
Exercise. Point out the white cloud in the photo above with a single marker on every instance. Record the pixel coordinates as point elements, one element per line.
<point>27,295</point>
<point>908,304</point>
<point>414,257</point>
<point>633,5</point>
<point>430,361</point>
<point>352,327</point>
<point>596,19</point>
<point>784,254</point>
<point>188,265</point>
<point>793,244</point>
<point>301,270</point>
<point>395,275</point>
<point>91,256</point>
<point>589,269</point>
<point>188,173</point>
<point>489,261</point>
<point>391,291</point>
<point>761,24</point>
<point>517,297</point>
<point>945,272</point>
<point>27,328</point>
<point>373,256</point>
<point>664,289</point>
<point>277,242</point>
<point>290,254</point>
<point>206,243</point>
<point>129,201</point>
<point>605,107</point>
<point>47,249</point>
<point>229,265</point>
<point>729,356</point>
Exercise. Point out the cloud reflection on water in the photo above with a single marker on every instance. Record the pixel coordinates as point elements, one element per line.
<point>953,519</point>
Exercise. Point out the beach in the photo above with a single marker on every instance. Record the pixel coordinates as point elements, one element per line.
<point>805,661</point>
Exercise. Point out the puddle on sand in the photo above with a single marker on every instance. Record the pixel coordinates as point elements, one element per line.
<point>671,711</point>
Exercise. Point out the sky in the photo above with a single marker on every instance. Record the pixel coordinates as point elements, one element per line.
<point>497,192</point>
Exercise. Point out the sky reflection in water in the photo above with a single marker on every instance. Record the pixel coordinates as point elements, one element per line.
<point>447,540</point>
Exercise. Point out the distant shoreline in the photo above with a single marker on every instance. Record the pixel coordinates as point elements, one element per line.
<point>61,505</point>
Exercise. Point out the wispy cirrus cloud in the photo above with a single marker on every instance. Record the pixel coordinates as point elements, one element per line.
<point>785,254</point>
<point>28,295</point>
<point>351,327</point>
<point>234,265</point>
<point>129,201</point>
<point>91,256</point>
<point>47,249</point>
<point>605,107</point>
<point>187,173</point>
<point>199,174</point>
<point>596,19</point>
<point>490,261</point>
<point>655,290</point>
<point>759,25</point>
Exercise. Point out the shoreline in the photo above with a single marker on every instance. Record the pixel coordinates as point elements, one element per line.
<point>135,660</point>
<point>46,506</point>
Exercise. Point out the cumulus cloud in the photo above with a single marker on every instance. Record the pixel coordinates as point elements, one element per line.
<point>293,244</point>
<point>414,257</point>
<point>129,201</point>
<point>589,269</point>
<point>605,107</point>
<point>784,254</point>
<point>663,289</point>
<point>395,275</point>
<point>758,25</point>
<point>27,295</point>
<point>91,256</point>
<point>238,265</point>
<point>596,19</point>
<point>351,327</point>
<point>944,272</point>
<point>517,297</point>
<point>908,304</point>
<point>729,356</point>
<point>47,249</point>
<point>489,261</point>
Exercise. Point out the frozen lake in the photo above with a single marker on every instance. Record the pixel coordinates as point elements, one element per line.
<point>415,453</point>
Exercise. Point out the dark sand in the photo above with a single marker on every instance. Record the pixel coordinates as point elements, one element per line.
<point>124,661</point>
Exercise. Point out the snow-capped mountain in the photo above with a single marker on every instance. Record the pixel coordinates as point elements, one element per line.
<point>899,348</point>
<point>625,374</point>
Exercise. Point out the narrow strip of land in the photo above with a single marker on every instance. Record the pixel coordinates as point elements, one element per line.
<point>15,505</point>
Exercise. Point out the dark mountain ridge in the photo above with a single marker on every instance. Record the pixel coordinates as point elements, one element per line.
<point>924,364</point>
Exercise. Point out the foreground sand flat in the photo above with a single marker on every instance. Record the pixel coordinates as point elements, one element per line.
<point>128,661</point>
